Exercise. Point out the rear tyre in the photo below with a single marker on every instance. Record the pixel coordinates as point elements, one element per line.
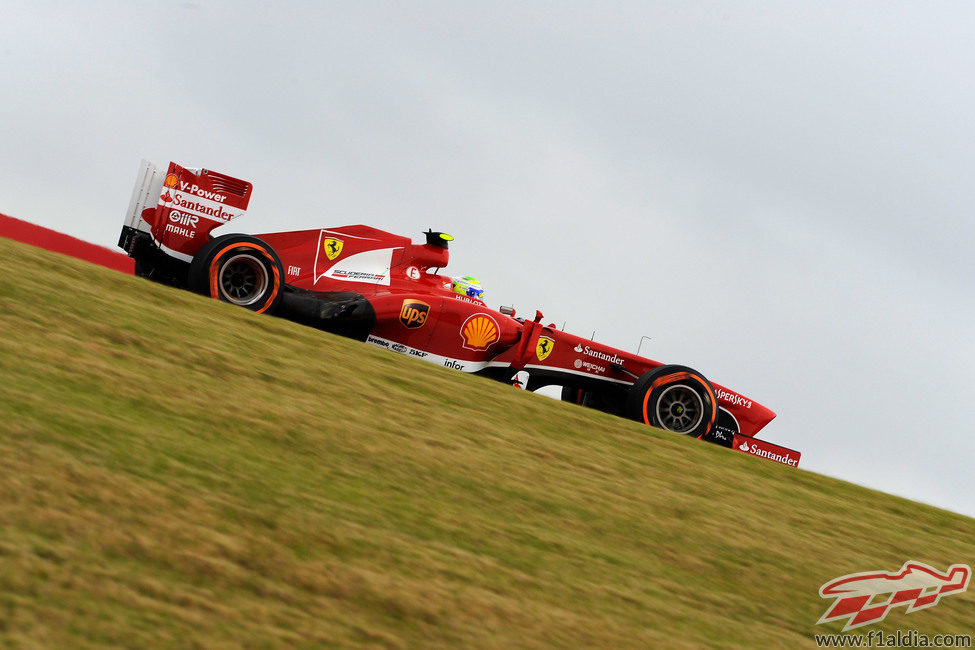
<point>674,398</point>
<point>241,270</point>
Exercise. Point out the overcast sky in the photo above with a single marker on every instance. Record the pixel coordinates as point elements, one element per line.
<point>778,194</point>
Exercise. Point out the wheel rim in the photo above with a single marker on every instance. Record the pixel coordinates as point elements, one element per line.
<point>243,280</point>
<point>679,409</point>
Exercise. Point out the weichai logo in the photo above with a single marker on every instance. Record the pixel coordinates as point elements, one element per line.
<point>413,314</point>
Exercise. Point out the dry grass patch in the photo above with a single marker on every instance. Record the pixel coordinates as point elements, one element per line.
<point>178,473</point>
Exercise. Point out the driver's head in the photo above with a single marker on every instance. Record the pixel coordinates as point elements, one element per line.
<point>467,286</point>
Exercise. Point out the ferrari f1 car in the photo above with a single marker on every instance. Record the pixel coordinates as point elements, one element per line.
<point>385,290</point>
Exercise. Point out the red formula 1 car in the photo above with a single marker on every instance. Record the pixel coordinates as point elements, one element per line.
<point>385,290</point>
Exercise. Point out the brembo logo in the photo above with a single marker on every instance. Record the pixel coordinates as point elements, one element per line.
<point>596,354</point>
<point>916,585</point>
<point>731,398</point>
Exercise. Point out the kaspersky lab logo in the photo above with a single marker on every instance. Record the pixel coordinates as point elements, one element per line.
<point>867,597</point>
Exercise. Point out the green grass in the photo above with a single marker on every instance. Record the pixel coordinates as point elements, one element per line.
<point>176,472</point>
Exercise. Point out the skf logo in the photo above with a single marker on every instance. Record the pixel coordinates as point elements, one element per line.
<point>171,180</point>
<point>333,248</point>
<point>413,314</point>
<point>916,585</point>
<point>479,332</point>
<point>544,347</point>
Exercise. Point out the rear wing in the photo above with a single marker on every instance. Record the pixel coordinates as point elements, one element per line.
<point>180,207</point>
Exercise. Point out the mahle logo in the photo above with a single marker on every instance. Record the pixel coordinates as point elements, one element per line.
<point>544,347</point>
<point>867,597</point>
<point>414,313</point>
<point>333,248</point>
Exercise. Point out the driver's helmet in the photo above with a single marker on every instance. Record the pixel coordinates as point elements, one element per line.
<point>467,286</point>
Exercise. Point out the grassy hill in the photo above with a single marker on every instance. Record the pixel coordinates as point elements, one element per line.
<point>176,472</point>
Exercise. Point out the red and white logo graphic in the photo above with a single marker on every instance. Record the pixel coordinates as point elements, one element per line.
<point>916,585</point>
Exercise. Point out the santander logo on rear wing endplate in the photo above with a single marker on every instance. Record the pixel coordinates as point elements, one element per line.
<point>767,450</point>
<point>180,207</point>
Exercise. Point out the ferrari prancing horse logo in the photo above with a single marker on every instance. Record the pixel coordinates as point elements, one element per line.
<point>544,347</point>
<point>333,248</point>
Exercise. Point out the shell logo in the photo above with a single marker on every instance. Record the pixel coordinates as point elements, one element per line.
<point>171,180</point>
<point>479,332</point>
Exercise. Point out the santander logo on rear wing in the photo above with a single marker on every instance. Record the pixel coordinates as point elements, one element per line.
<point>180,207</point>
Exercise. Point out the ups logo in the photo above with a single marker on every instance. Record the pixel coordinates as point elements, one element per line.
<point>413,314</point>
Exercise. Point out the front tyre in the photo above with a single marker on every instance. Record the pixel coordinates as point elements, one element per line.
<point>241,270</point>
<point>674,398</point>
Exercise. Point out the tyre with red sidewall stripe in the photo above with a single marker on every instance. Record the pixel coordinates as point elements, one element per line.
<point>674,398</point>
<point>241,270</point>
